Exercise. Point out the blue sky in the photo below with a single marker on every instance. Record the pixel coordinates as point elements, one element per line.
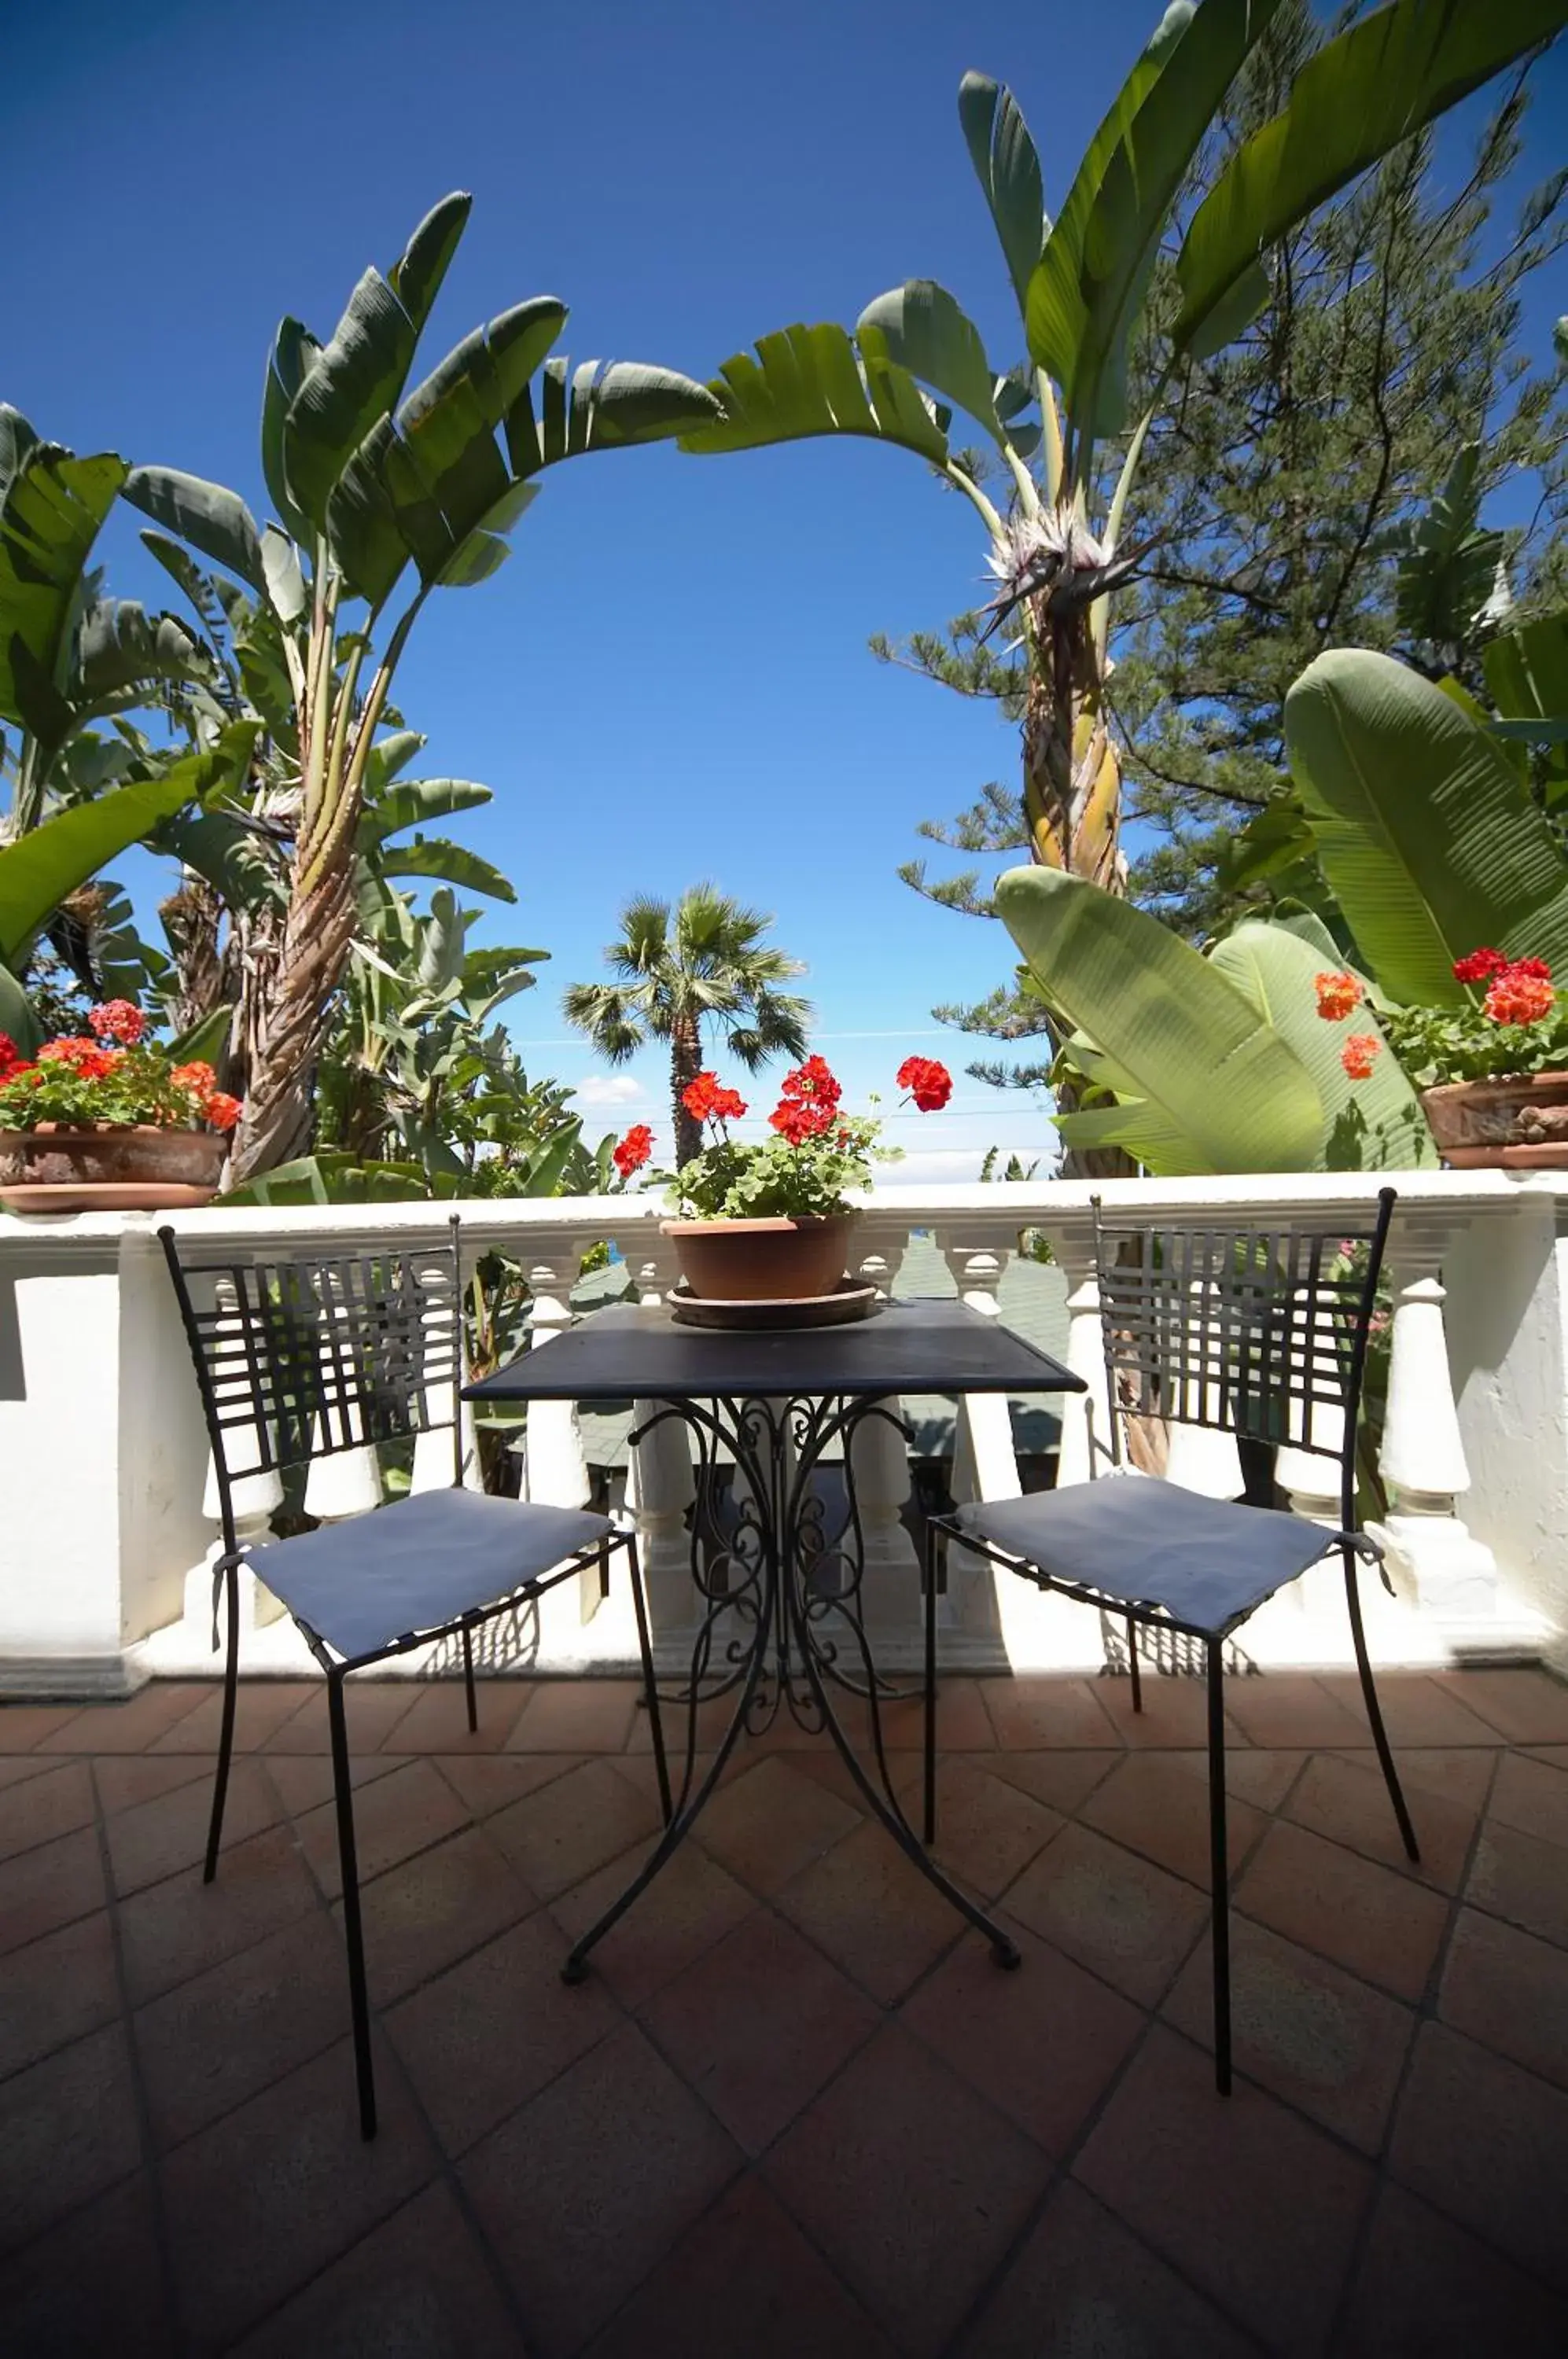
<point>670,679</point>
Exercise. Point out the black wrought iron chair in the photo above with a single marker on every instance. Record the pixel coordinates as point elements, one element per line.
<point>302,1356</point>
<point>1255,1330</point>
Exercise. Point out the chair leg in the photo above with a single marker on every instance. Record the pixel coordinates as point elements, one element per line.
<point>468,1681</point>
<point>649,1684</point>
<point>929,1825</point>
<point>353,1931</point>
<point>226,1729</point>
<point>1133,1665</point>
<point>1374,1711</point>
<point>1219,1866</point>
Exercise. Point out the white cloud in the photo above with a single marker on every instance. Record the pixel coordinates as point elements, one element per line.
<point>609,1089</point>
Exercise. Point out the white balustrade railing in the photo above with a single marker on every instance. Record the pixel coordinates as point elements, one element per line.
<point>107,1512</point>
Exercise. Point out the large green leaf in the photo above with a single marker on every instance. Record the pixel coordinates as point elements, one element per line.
<point>16,439</point>
<point>232,858</point>
<point>123,651</point>
<point>1371,1126</point>
<point>1194,1045</point>
<point>39,870</point>
<point>923,329</point>
<point>1007,168</point>
<point>435,856</point>
<point>53,507</point>
<point>1360,95</point>
<point>1448,566</point>
<point>805,381</point>
<point>293,355</point>
<point>1429,842</point>
<point>413,802</point>
<point>1088,289</point>
<point>18,1021</point>
<point>603,406</point>
<point>212,519</point>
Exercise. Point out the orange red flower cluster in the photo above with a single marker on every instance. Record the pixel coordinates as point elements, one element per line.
<point>135,1082</point>
<point>707,1100</point>
<point>1358,1054</point>
<point>808,1103</point>
<point>634,1150</point>
<point>1339,994</point>
<point>929,1083</point>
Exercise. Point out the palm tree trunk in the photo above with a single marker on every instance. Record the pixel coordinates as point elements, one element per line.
<point>685,1064</point>
<point>291,1008</point>
<point>193,918</point>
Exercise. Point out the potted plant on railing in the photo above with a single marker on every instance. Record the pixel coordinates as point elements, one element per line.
<point>1493,1072</point>
<point>769,1220</point>
<point>109,1122</point>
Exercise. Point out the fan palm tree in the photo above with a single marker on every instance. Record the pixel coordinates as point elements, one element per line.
<point>704,962</point>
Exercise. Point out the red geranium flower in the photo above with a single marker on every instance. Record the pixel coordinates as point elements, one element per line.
<point>1518,995</point>
<point>1480,966</point>
<point>707,1100</point>
<point>1358,1054</point>
<point>118,1020</point>
<point>814,1081</point>
<point>929,1083</point>
<point>799,1119</point>
<point>221,1110</point>
<point>634,1150</point>
<point>1538,968</point>
<point>1338,993</point>
<point>84,1055</point>
<point>197,1077</point>
<point>11,1058</point>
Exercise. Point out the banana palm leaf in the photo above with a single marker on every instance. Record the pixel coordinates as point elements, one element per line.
<point>1007,168</point>
<point>1359,96</point>
<point>1192,1043</point>
<point>922,328</point>
<point>210,517</point>
<point>17,1022</point>
<point>412,801</point>
<point>53,507</point>
<point>804,381</point>
<point>435,856</point>
<point>1431,844</point>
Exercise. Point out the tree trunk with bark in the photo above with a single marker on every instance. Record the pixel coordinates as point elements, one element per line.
<point>685,1064</point>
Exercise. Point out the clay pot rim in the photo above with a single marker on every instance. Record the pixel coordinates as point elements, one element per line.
<point>1507,1084</point>
<point>773,1224</point>
<point>109,1130</point>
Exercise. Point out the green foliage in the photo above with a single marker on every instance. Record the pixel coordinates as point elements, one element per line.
<point>1464,1044</point>
<point>770,1179</point>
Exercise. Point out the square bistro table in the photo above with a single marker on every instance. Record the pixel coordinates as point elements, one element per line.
<point>778,1592</point>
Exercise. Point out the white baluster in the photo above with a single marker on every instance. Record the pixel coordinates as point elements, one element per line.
<point>556,1469</point>
<point>433,1450</point>
<point>878,1468</point>
<point>1453,1574</point>
<point>660,1482</point>
<point>1085,1444</point>
<point>347,1481</point>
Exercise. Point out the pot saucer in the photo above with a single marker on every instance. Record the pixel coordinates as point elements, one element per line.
<point>102,1196</point>
<point>849,1301</point>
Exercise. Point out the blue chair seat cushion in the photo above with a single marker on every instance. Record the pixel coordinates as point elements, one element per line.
<point>1144,1542</point>
<point>419,1564</point>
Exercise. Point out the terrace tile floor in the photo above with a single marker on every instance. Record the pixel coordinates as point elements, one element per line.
<point>797,2110</point>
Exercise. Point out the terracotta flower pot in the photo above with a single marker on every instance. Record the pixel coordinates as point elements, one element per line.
<point>109,1168</point>
<point>1519,1123</point>
<point>778,1260</point>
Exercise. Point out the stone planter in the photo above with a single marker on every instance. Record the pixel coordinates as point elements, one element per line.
<point>778,1260</point>
<point>1519,1123</point>
<point>109,1168</point>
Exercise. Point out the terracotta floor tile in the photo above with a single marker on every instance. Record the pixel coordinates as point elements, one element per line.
<point>1346,1800</point>
<point>1130,1921</point>
<point>1258,1775</point>
<point>1082,2284</point>
<point>1527,1707</point>
<point>963,1722</point>
<point>123,1780</point>
<point>490,2033</point>
<point>874,1914</point>
<point>1516,1876</point>
<point>1508,1991</point>
<point>758,2025</point>
<point>1154,1805</point>
<point>1384,1927</point>
<point>15,1768</point>
<point>690,1905</point>
<point>422,1917</point>
<point>1487,2144</point>
<point>575,1716</point>
<point>1416,1711</point>
<point>1290,1708</point>
<point>769,1824</point>
<point>304,1780</point>
<point>1309,2032</point>
<point>55,1990</point>
<point>821,1763</point>
<point>714,1717</point>
<point>214,2041</point>
<point>130,1726</point>
<point>438,1718</point>
<point>1427,2291</point>
<point>162,1837</point>
<point>417,2288</point>
<point>24,1725</point>
<point>91,2286</point>
<point>1175,1710</point>
<point>911,2184</point>
<point>42,1889</point>
<point>372,1708</point>
<point>42,1808</point>
<point>261,1707</point>
<point>182,1925</point>
<point>260,2203</point>
<point>987,1829</point>
<point>744,2271</point>
<point>583,2190</point>
<point>68,2131</point>
<point>393,1818</point>
<point>1043,2043</point>
<point>1030,1713</point>
<point>1532,1797</point>
<point>1062,1780</point>
<point>484,1783</point>
<point>566,1830</point>
<point>1251,2203</point>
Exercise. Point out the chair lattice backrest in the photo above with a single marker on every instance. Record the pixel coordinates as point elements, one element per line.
<point>1256,1329</point>
<point>308,1355</point>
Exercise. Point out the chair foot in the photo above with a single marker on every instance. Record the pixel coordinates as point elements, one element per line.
<point>574,1971</point>
<point>1007,1957</point>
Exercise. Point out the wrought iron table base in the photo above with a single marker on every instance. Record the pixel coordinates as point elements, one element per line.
<point>795,1592</point>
